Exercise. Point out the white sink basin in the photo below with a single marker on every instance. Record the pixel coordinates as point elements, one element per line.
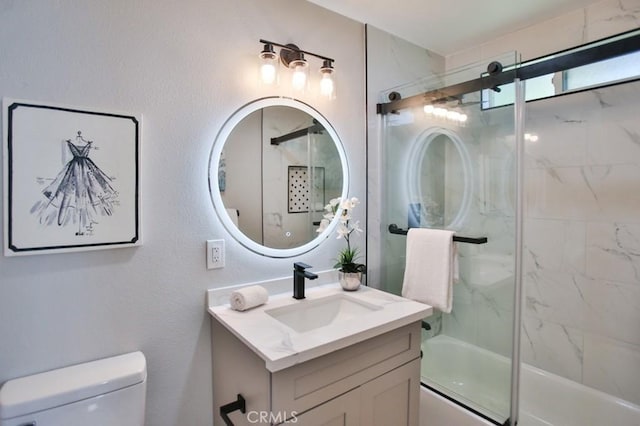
<point>308,315</point>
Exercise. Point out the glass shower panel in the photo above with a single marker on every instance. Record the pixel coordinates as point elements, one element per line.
<point>451,165</point>
<point>326,176</point>
<point>582,264</point>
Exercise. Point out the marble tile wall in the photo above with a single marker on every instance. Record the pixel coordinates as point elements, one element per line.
<point>597,21</point>
<point>582,239</point>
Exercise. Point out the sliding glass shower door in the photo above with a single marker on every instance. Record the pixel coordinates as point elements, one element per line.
<point>449,164</point>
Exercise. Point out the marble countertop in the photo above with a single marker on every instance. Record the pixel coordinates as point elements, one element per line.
<point>281,347</point>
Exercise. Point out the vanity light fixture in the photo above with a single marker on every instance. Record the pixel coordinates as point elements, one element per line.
<point>293,58</point>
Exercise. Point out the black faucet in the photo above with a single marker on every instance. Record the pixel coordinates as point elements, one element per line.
<point>299,274</point>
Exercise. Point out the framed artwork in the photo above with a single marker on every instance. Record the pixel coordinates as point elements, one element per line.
<point>71,179</point>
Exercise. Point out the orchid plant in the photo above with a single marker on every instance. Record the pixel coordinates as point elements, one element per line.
<point>346,226</point>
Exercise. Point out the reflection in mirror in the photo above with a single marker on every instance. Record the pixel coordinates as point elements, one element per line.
<point>276,163</point>
<point>439,180</point>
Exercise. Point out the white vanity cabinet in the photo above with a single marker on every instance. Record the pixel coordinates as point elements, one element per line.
<point>373,382</point>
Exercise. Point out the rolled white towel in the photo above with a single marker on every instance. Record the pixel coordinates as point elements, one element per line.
<point>248,297</point>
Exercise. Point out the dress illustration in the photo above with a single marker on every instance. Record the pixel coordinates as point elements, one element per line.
<point>79,194</point>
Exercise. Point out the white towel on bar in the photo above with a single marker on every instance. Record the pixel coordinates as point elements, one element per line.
<point>431,267</point>
<point>248,297</point>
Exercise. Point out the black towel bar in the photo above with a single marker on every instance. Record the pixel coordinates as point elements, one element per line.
<point>393,228</point>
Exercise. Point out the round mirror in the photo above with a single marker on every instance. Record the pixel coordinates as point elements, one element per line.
<point>439,180</point>
<point>274,166</point>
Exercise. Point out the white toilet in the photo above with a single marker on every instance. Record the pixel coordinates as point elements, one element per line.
<point>106,392</point>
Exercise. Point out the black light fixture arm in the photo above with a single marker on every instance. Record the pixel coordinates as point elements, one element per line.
<point>294,49</point>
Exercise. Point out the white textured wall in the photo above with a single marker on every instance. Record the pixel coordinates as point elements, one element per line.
<point>186,66</point>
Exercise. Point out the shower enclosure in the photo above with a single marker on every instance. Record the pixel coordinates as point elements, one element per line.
<point>459,155</point>
<point>451,165</point>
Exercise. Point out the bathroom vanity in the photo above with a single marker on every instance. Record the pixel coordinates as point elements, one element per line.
<point>336,357</point>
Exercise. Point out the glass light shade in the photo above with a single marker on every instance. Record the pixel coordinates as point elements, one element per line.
<point>326,85</point>
<point>268,73</point>
<point>300,70</point>
<point>268,66</point>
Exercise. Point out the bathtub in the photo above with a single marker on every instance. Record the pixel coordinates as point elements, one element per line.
<point>545,398</point>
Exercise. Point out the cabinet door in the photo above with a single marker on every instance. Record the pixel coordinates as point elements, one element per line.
<point>311,383</point>
<point>341,411</point>
<point>392,399</point>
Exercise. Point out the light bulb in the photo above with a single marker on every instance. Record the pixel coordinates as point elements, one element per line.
<point>428,109</point>
<point>326,85</point>
<point>439,112</point>
<point>453,115</point>
<point>462,118</point>
<point>299,78</point>
<point>268,73</point>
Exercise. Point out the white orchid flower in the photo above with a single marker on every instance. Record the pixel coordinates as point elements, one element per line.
<point>324,224</point>
<point>342,231</point>
<point>333,203</point>
<point>343,208</point>
<point>349,203</point>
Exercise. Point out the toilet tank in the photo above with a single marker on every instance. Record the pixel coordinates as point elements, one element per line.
<point>106,392</point>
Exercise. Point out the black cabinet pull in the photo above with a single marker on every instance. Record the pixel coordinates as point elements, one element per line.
<point>239,404</point>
